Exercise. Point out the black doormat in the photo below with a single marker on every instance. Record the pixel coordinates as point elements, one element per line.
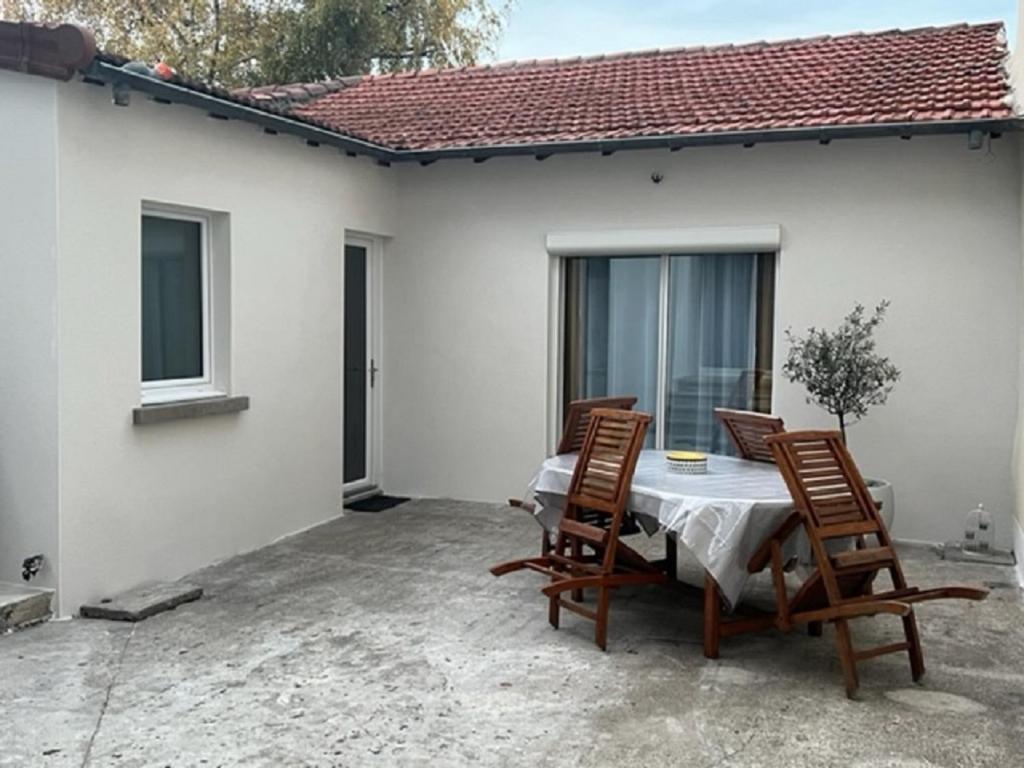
<point>376,503</point>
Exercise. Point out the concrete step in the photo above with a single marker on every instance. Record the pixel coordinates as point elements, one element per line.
<point>21,606</point>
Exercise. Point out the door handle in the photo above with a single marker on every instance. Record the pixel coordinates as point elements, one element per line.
<point>373,372</point>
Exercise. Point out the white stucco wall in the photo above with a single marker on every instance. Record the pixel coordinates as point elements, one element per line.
<point>158,501</point>
<point>28,325</point>
<point>929,224</point>
<point>1017,521</point>
<point>926,223</point>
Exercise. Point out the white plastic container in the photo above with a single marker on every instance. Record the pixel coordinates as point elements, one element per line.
<point>979,534</point>
<point>687,462</point>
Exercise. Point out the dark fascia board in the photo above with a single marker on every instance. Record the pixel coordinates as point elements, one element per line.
<point>105,72</point>
<point>680,141</point>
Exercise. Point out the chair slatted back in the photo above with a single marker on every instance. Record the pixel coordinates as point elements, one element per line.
<point>748,430</point>
<point>826,485</point>
<point>577,419</point>
<point>607,461</point>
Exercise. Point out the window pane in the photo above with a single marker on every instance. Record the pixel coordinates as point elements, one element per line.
<point>612,330</point>
<point>719,347</point>
<point>172,299</point>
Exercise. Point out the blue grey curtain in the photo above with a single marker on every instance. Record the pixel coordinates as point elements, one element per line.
<point>621,337</point>
<point>712,338</point>
<point>712,345</point>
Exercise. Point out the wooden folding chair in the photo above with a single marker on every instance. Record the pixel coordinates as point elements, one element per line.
<point>574,430</point>
<point>600,485</point>
<point>577,419</point>
<point>833,503</point>
<point>747,430</point>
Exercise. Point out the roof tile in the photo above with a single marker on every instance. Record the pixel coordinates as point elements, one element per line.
<point>936,73</point>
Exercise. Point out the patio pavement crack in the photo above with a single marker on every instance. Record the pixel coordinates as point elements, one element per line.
<point>106,697</point>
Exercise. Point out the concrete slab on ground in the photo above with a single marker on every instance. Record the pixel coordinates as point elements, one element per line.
<point>23,606</point>
<point>382,640</point>
<point>143,601</point>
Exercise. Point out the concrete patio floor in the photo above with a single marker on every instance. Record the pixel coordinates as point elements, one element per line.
<point>380,640</point>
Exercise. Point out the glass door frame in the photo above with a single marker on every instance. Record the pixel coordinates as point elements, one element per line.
<point>558,281</point>
<point>370,484</point>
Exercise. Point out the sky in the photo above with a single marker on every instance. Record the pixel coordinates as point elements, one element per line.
<point>547,28</point>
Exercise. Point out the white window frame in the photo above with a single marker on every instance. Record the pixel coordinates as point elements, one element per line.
<point>172,390</point>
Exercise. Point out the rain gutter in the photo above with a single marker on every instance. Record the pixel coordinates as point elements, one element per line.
<point>975,130</point>
<point>100,71</point>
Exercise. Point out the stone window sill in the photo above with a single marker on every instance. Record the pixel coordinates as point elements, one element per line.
<point>189,409</point>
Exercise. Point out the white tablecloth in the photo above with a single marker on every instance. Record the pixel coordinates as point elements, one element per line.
<point>721,517</point>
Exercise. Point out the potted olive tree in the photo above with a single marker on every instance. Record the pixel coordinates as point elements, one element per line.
<point>844,375</point>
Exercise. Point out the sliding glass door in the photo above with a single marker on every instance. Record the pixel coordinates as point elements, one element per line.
<point>684,333</point>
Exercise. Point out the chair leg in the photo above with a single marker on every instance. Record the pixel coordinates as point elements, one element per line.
<point>712,617</point>
<point>577,555</point>
<point>671,557</point>
<point>553,611</point>
<point>914,651</point>
<point>545,542</point>
<point>601,632</point>
<point>844,643</point>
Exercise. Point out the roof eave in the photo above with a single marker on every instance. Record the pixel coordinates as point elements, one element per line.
<point>103,72</point>
<point>116,76</point>
<point>823,134</point>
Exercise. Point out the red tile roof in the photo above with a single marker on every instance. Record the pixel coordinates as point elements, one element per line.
<point>945,74</point>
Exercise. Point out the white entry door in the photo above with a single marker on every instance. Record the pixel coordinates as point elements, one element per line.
<point>361,366</point>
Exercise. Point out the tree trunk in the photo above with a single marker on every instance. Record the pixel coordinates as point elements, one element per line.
<point>842,426</point>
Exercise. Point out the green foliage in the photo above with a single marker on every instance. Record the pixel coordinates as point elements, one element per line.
<point>215,41</point>
<point>840,369</point>
<point>250,42</point>
<point>323,39</point>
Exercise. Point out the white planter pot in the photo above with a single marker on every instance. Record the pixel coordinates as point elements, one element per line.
<point>881,490</point>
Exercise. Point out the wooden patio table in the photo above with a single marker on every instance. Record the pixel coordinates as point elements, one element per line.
<point>721,518</point>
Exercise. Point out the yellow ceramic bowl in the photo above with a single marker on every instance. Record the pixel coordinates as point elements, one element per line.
<point>686,456</point>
